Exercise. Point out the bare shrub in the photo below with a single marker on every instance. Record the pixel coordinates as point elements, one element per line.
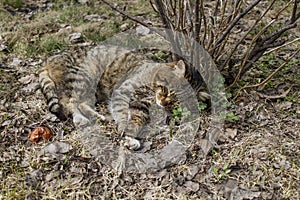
<point>235,33</point>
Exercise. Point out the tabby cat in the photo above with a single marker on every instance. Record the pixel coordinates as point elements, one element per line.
<point>74,81</point>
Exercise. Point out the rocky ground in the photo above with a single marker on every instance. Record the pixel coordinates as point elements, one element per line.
<point>257,157</point>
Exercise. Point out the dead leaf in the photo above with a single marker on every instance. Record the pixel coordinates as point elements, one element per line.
<point>231,132</point>
<point>284,106</point>
<point>40,132</point>
<point>26,79</point>
<point>192,186</point>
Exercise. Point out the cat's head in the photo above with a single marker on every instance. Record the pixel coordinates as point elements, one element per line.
<point>177,67</point>
<point>163,96</point>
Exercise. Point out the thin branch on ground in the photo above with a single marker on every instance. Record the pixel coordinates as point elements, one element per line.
<point>264,82</point>
<point>126,14</point>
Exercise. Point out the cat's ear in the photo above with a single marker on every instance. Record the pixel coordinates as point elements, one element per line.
<point>180,68</point>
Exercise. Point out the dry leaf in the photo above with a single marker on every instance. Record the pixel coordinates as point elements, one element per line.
<point>40,132</point>
<point>232,133</point>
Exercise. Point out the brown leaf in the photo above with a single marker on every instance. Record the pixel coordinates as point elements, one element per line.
<point>40,132</point>
<point>231,132</point>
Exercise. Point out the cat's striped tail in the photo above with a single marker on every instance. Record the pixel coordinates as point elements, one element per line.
<point>50,92</point>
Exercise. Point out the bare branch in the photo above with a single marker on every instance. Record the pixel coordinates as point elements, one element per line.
<point>263,83</point>
<point>262,45</point>
<point>282,95</point>
<point>126,14</point>
<point>202,14</point>
<point>278,47</point>
<point>197,21</point>
<point>252,55</point>
<point>212,23</point>
<point>295,16</point>
<point>233,23</point>
<point>247,33</point>
<point>166,21</point>
<point>272,37</point>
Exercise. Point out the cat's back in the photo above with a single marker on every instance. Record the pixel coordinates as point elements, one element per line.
<point>84,69</point>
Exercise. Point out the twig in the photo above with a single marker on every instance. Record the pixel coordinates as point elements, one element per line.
<point>286,44</point>
<point>263,83</point>
<point>262,45</point>
<point>295,16</point>
<point>169,31</point>
<point>233,23</point>
<point>272,37</point>
<point>197,22</point>
<point>127,15</point>
<point>282,95</point>
<point>4,10</point>
<point>203,16</point>
<point>247,33</point>
<point>252,55</point>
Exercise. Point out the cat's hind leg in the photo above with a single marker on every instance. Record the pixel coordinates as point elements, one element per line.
<point>87,110</point>
<point>84,115</point>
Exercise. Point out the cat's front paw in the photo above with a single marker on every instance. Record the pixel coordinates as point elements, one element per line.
<point>80,121</point>
<point>132,143</point>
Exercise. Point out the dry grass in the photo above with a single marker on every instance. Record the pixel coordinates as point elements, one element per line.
<point>260,162</point>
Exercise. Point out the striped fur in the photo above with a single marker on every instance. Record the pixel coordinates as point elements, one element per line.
<point>74,81</point>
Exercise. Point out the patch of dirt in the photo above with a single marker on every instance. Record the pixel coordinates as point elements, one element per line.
<point>257,157</point>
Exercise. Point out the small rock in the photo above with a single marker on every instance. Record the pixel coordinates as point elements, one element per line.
<point>6,123</point>
<point>56,148</point>
<point>230,187</point>
<point>29,15</point>
<point>35,63</point>
<point>173,153</point>
<point>146,147</point>
<point>77,170</point>
<point>83,1</point>
<point>16,62</point>
<point>192,171</point>
<point>51,117</point>
<point>142,30</point>
<point>93,18</point>
<point>75,37</point>
<point>192,186</point>
<point>33,178</point>
<point>3,47</point>
<point>124,27</point>
<point>31,87</point>
<point>64,28</point>
<point>25,162</point>
<point>26,79</point>
<point>3,108</point>
<point>52,175</point>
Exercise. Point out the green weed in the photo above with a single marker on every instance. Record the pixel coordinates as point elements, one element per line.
<point>179,112</point>
<point>202,106</point>
<point>13,3</point>
<point>221,173</point>
<point>291,98</point>
<point>158,56</point>
<point>52,44</point>
<point>230,117</point>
